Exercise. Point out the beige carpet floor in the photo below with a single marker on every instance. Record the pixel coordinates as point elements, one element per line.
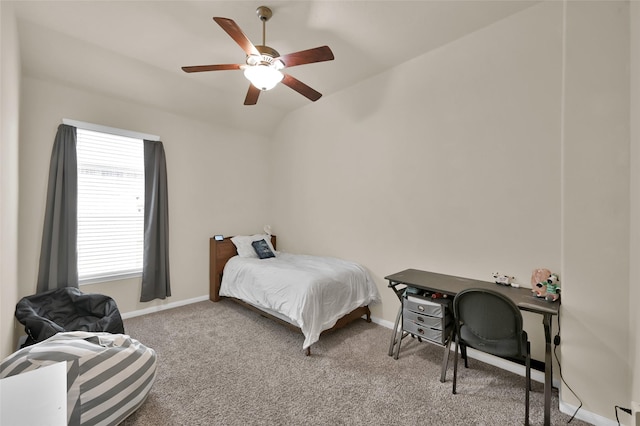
<point>222,364</point>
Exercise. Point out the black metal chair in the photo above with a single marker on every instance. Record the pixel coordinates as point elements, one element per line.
<point>67,309</point>
<point>490,322</point>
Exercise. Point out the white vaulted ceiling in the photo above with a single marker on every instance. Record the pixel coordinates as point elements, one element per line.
<point>134,49</point>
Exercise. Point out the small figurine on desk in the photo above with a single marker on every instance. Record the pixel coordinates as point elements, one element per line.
<point>545,284</point>
<point>502,279</point>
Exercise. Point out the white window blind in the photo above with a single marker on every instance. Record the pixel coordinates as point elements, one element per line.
<point>110,206</point>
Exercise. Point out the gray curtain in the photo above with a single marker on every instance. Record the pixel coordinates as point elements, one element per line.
<point>58,253</point>
<point>155,264</point>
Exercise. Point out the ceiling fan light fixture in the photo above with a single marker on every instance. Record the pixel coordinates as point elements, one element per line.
<point>263,77</point>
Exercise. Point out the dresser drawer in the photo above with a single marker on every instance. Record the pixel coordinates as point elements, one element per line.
<point>428,333</point>
<point>424,320</point>
<point>431,307</point>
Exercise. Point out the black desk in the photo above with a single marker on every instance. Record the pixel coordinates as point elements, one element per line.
<point>450,285</point>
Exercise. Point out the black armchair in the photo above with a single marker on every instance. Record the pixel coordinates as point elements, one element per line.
<point>490,322</point>
<point>67,309</point>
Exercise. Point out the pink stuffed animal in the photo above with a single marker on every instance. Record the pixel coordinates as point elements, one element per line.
<point>545,284</point>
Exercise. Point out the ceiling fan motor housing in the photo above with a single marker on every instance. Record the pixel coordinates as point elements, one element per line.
<point>267,57</point>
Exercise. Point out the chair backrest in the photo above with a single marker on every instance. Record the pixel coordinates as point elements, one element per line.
<point>489,321</point>
<point>67,309</point>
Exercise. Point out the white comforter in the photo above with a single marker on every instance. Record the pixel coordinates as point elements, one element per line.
<point>312,292</point>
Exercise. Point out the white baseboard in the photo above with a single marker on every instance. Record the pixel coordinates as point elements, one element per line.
<point>384,323</point>
<point>586,416</point>
<point>164,307</point>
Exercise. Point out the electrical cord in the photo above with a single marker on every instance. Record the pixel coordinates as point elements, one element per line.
<point>626,410</point>
<point>556,342</point>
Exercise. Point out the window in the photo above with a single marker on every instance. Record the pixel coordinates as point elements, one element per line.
<point>110,206</point>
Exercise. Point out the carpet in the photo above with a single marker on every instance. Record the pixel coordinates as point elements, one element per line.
<point>222,364</point>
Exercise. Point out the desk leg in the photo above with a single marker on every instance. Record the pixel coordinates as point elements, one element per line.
<point>399,336</point>
<point>445,359</point>
<point>400,333</point>
<point>394,334</point>
<point>548,365</point>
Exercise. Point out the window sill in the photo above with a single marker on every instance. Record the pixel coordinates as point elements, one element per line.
<point>107,278</point>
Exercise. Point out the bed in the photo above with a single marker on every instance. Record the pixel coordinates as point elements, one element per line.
<point>319,294</point>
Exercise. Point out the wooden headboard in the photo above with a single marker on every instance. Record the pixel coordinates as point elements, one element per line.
<point>219,253</point>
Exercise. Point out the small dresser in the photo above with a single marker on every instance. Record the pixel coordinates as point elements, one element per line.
<point>427,318</point>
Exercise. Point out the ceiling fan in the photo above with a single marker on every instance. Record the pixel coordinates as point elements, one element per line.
<point>263,66</point>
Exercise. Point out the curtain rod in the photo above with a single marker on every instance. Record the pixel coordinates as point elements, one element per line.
<point>111,130</point>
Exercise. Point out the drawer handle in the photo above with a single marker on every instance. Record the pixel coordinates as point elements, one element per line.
<point>420,330</point>
<point>420,308</point>
<point>420,319</point>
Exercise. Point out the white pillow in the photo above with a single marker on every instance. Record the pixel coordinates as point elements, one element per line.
<point>244,247</point>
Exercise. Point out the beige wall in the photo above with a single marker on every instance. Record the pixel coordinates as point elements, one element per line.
<point>596,178</point>
<point>449,162</point>
<point>479,157</point>
<point>9,118</point>
<point>634,294</point>
<point>217,183</point>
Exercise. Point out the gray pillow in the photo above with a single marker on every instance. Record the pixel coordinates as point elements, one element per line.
<point>262,249</point>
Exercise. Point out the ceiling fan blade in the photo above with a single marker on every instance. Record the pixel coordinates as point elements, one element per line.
<point>301,88</point>
<point>318,54</point>
<point>252,95</point>
<point>222,67</point>
<point>237,35</point>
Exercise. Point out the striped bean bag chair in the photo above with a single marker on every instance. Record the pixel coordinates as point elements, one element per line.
<point>108,375</point>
